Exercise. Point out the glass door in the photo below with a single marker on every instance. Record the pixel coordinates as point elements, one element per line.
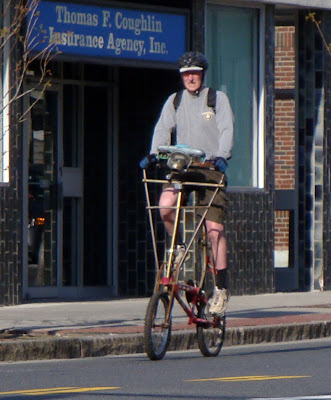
<point>87,248</point>
<point>72,161</point>
<point>70,191</point>
<point>44,189</point>
<point>54,193</point>
<point>97,179</point>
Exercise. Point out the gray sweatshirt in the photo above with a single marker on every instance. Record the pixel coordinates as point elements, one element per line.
<point>197,125</point>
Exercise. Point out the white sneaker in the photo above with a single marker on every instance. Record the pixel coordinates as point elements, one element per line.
<point>218,303</point>
<point>179,253</point>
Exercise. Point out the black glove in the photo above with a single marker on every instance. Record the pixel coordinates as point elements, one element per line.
<point>147,161</point>
<point>221,164</point>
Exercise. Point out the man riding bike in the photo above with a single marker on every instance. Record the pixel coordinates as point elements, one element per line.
<point>199,125</point>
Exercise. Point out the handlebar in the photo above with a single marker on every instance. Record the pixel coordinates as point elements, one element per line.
<point>180,157</point>
<point>189,151</point>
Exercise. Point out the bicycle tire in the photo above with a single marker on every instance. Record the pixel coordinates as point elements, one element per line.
<point>157,336</point>
<point>210,339</point>
<point>204,262</point>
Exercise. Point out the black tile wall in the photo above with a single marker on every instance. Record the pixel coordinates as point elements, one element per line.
<point>314,150</point>
<point>326,24</point>
<point>11,221</point>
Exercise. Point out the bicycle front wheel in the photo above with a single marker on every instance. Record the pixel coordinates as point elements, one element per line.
<point>210,339</point>
<point>157,332</point>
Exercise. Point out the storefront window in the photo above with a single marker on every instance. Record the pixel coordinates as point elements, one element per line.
<point>232,41</point>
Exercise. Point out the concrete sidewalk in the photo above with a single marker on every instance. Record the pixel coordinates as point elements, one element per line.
<point>97,328</point>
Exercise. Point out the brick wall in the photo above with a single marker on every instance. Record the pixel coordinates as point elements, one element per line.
<point>284,134</point>
<point>285,57</point>
<point>282,224</point>
<point>284,144</point>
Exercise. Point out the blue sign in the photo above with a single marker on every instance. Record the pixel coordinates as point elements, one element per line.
<point>77,29</point>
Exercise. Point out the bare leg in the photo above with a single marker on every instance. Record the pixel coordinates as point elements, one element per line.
<point>218,241</point>
<point>168,198</point>
<point>220,298</point>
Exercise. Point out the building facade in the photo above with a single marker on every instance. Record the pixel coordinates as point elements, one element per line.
<point>73,222</point>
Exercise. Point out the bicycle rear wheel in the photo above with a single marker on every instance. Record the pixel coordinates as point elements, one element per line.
<point>210,339</point>
<point>157,333</point>
<point>204,262</point>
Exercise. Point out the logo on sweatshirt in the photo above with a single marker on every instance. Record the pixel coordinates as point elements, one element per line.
<point>208,115</point>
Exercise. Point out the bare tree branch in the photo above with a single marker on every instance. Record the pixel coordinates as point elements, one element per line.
<point>312,17</point>
<point>24,34</point>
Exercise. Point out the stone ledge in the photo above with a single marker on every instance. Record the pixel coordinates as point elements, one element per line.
<point>49,347</point>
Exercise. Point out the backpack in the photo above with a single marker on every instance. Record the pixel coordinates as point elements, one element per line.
<point>211,102</point>
<point>211,99</point>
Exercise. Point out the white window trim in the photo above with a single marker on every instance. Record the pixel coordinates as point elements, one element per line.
<point>5,124</point>
<point>5,114</point>
<point>258,167</point>
<point>260,173</point>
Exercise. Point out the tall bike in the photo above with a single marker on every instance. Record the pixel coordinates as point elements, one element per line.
<point>191,294</point>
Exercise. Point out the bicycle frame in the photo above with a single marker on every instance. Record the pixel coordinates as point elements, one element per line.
<point>170,280</point>
<point>198,296</point>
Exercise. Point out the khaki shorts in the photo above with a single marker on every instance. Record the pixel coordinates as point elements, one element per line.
<point>218,208</point>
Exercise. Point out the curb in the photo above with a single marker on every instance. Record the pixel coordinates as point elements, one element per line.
<point>46,348</point>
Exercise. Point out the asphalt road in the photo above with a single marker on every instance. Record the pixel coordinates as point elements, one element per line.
<point>293,370</point>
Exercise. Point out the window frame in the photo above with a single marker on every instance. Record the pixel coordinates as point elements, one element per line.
<point>4,103</point>
<point>258,99</point>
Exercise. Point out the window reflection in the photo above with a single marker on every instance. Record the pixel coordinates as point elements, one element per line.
<point>42,190</point>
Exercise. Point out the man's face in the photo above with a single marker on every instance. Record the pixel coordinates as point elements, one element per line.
<point>192,80</point>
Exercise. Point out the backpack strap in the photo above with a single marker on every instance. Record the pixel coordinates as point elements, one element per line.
<point>211,99</point>
<point>176,102</point>
<point>177,99</point>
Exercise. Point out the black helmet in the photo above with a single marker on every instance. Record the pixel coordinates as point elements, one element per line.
<point>192,61</point>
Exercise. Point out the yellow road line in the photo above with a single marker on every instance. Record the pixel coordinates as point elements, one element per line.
<point>39,392</point>
<point>248,378</point>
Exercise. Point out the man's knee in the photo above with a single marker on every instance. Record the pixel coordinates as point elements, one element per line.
<point>215,230</point>
<point>168,199</point>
